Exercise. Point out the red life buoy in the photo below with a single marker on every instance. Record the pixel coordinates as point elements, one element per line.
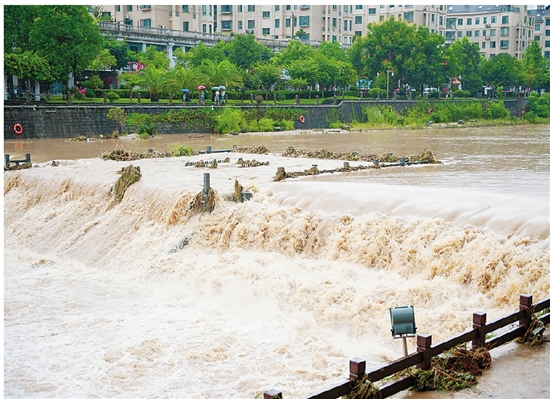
<point>17,128</point>
<point>302,119</point>
<point>430,111</point>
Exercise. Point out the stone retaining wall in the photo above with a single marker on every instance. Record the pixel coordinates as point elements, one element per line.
<point>62,121</point>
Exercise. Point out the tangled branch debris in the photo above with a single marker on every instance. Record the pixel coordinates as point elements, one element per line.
<point>261,149</point>
<point>128,176</point>
<point>453,370</point>
<point>122,153</point>
<point>534,334</point>
<point>364,389</point>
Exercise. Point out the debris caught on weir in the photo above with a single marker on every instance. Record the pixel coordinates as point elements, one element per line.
<point>128,176</point>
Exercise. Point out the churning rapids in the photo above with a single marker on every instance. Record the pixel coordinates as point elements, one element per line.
<point>144,299</point>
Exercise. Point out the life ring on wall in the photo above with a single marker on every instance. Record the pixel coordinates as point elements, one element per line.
<point>430,111</point>
<point>17,128</point>
<point>302,119</point>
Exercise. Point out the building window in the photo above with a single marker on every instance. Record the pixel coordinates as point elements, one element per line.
<point>493,32</point>
<point>505,19</point>
<point>240,25</point>
<point>287,22</point>
<point>334,22</point>
<point>493,44</point>
<point>493,20</point>
<point>504,31</point>
<point>381,18</point>
<point>288,8</point>
<point>266,31</point>
<point>358,33</point>
<point>251,8</point>
<point>186,26</point>
<point>277,23</point>
<point>358,20</point>
<point>482,44</point>
<point>468,21</point>
<point>440,20</point>
<point>547,43</point>
<point>129,8</point>
<point>226,25</point>
<point>117,8</point>
<point>468,33</point>
<point>203,28</point>
<point>184,8</point>
<point>251,24</point>
<point>477,21</point>
<point>372,11</point>
<point>277,8</point>
<point>346,9</point>
<point>476,33</point>
<point>239,8</point>
<point>345,24</point>
<point>334,7</point>
<point>547,54</point>
<point>357,7</point>
<point>145,22</point>
<point>547,32</point>
<point>334,39</point>
<point>203,11</point>
<point>226,9</point>
<point>266,14</point>
<point>537,38</point>
<point>433,17</point>
<point>304,20</point>
<point>504,44</point>
<point>460,22</point>
<point>408,16</point>
<point>459,33</point>
<point>484,20</point>
<point>547,23</point>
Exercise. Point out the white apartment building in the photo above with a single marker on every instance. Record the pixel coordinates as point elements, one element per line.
<point>541,30</point>
<point>496,29</point>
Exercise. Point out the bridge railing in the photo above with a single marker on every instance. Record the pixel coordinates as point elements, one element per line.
<point>422,358</point>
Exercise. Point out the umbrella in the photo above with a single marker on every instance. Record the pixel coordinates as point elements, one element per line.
<point>215,88</point>
<point>184,90</point>
<point>221,87</point>
<point>201,87</point>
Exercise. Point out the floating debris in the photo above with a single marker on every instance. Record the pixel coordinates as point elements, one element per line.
<point>128,176</point>
<point>534,335</point>
<point>183,242</point>
<point>261,149</point>
<point>251,163</point>
<point>122,153</point>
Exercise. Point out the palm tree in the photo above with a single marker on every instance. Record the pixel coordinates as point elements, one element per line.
<point>224,73</point>
<point>181,78</point>
<point>154,81</point>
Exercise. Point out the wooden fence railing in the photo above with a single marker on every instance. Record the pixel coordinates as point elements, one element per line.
<point>422,358</point>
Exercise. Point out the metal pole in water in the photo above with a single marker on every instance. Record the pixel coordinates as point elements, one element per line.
<point>206,188</point>
<point>28,158</point>
<point>405,350</point>
<point>208,149</point>
<point>7,161</point>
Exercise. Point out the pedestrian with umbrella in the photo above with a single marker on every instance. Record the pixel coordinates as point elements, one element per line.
<point>223,95</point>
<point>201,94</point>
<point>184,95</point>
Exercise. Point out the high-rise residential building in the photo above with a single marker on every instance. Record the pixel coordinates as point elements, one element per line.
<point>541,30</point>
<point>495,29</point>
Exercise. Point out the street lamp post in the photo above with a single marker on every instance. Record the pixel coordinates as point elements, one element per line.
<point>388,82</point>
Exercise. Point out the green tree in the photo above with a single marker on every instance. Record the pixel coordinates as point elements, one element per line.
<point>464,59</point>
<point>120,50</point>
<point>131,80</point>
<point>535,74</point>
<point>18,21</point>
<point>27,65</point>
<point>502,70</point>
<point>245,51</point>
<point>152,57</point>
<point>411,52</point>
<point>268,75</point>
<point>294,51</point>
<point>201,52</point>
<point>67,37</point>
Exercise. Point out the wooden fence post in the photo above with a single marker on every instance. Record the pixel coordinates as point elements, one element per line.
<point>480,319</point>
<point>525,303</point>
<point>423,344</point>
<point>273,394</point>
<point>357,368</point>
